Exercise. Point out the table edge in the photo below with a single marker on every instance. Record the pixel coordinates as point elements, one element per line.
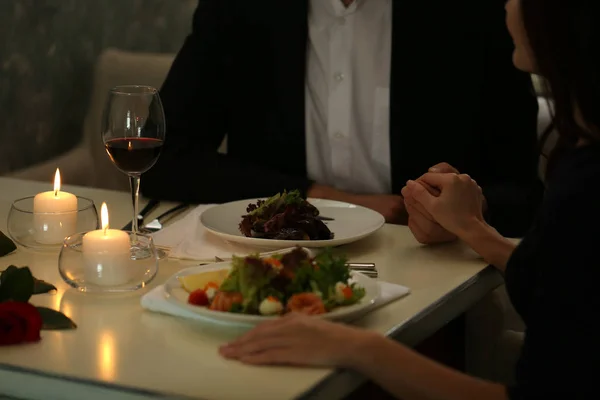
<point>41,376</point>
<point>341,383</point>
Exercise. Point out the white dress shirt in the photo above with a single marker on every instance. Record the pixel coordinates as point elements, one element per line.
<point>347,95</point>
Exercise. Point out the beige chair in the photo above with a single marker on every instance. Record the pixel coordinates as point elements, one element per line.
<point>493,338</point>
<point>88,164</point>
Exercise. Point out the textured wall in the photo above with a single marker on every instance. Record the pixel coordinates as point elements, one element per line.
<point>47,52</point>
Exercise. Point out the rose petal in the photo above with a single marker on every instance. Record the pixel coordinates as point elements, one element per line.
<point>30,320</point>
<point>12,328</point>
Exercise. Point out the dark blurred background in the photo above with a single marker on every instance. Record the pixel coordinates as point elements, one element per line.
<point>47,56</point>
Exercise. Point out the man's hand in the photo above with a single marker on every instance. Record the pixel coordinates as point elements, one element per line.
<point>443,168</point>
<point>422,225</point>
<point>390,206</point>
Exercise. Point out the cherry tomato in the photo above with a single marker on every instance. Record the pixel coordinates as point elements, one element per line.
<point>198,298</point>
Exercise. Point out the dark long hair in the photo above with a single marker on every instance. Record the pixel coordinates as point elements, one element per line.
<point>565,38</point>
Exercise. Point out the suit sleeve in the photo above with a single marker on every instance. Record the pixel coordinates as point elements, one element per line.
<point>512,187</point>
<point>194,97</point>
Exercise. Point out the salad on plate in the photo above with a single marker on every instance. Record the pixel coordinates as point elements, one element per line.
<point>285,216</point>
<point>277,284</point>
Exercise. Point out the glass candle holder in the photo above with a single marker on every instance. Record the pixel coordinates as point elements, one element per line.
<point>46,231</point>
<point>98,261</point>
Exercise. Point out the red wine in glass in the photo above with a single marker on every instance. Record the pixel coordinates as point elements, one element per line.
<point>134,155</point>
<point>133,132</point>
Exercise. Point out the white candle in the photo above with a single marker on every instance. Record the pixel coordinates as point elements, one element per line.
<point>54,214</point>
<point>106,254</point>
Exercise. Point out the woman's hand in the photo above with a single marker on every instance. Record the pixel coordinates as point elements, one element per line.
<point>297,339</point>
<point>458,205</point>
<point>422,225</point>
<point>301,340</point>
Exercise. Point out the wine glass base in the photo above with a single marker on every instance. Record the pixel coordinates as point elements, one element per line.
<point>161,253</point>
<point>140,253</point>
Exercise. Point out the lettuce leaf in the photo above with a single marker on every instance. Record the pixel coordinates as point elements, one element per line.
<point>331,269</point>
<point>277,202</point>
<point>249,276</point>
<point>257,280</point>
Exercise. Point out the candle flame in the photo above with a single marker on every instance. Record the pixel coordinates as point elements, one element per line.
<point>104,217</point>
<point>56,182</point>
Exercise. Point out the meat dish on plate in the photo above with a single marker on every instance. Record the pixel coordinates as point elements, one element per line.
<point>285,216</point>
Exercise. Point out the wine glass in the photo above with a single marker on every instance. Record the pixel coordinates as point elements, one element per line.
<point>133,132</point>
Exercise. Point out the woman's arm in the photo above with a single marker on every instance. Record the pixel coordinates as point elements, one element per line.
<point>298,339</point>
<point>457,208</point>
<point>488,243</point>
<point>408,375</point>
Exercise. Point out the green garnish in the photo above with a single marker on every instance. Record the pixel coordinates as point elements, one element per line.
<point>285,198</point>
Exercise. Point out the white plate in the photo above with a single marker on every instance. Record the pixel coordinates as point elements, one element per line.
<point>177,295</point>
<point>351,223</point>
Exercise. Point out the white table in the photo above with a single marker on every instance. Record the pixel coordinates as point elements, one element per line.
<point>121,351</point>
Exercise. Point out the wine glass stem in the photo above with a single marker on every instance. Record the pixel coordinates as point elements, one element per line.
<point>134,182</point>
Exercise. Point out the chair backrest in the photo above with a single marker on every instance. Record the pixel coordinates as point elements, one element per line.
<point>116,67</point>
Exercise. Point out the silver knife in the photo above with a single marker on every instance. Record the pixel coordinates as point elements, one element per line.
<point>324,219</point>
<point>362,266</point>
<point>157,224</point>
<point>354,266</point>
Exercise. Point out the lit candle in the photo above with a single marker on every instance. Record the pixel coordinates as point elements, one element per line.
<point>54,214</point>
<point>107,254</point>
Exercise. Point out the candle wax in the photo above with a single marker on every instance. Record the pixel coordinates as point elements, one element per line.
<point>107,257</point>
<point>54,216</point>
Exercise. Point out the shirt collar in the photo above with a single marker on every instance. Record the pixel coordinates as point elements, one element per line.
<point>339,9</point>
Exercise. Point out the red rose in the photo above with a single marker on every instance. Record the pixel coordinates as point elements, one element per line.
<point>19,323</point>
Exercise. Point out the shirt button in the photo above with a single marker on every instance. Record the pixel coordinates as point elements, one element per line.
<point>338,76</point>
<point>338,135</point>
<point>341,21</point>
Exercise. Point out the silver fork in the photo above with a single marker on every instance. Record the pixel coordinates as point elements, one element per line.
<point>367,269</point>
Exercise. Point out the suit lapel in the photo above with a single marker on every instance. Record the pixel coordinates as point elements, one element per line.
<point>396,82</point>
<point>289,40</point>
<point>434,87</point>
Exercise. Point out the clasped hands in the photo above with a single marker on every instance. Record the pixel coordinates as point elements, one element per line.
<point>441,204</point>
<point>434,206</point>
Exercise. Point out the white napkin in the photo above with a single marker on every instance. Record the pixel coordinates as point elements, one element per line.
<point>188,239</point>
<point>155,300</point>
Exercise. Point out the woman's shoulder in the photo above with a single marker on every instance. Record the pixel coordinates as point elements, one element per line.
<point>576,179</point>
<point>563,235</point>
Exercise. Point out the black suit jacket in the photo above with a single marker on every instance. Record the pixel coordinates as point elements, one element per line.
<point>455,97</point>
